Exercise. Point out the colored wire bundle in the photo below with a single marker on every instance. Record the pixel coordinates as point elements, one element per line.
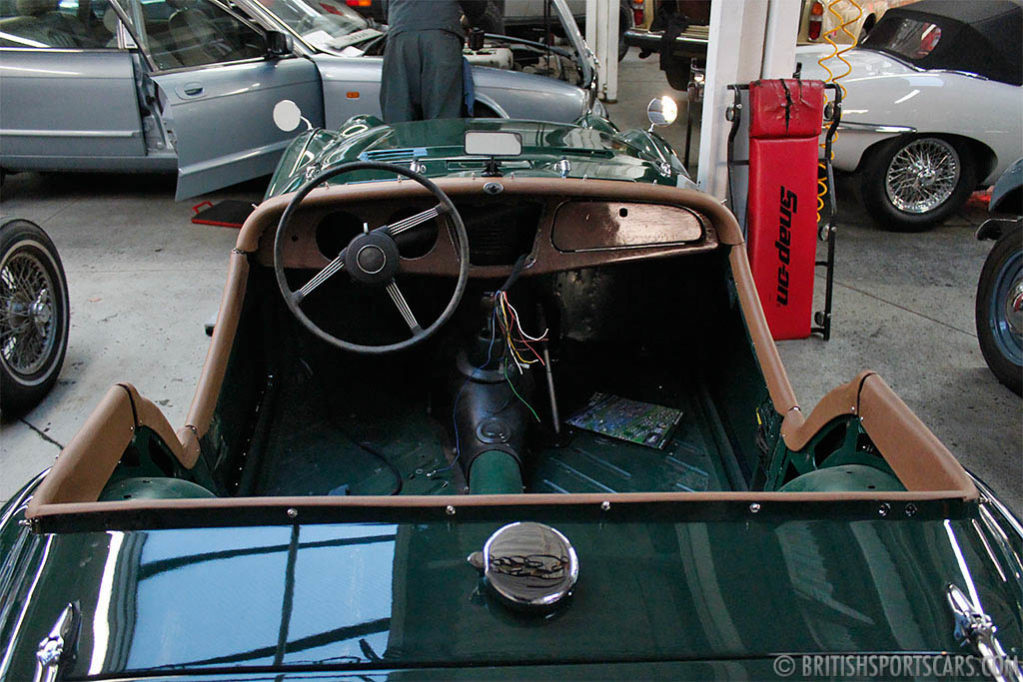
<point>519,344</point>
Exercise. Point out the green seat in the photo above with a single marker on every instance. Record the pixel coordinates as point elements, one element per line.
<point>843,478</point>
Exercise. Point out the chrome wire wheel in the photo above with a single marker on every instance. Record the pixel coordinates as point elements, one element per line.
<point>28,324</point>
<point>923,175</point>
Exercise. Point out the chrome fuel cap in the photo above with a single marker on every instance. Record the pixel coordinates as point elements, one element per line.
<point>528,565</point>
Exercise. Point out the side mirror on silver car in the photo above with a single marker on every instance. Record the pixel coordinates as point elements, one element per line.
<point>279,44</point>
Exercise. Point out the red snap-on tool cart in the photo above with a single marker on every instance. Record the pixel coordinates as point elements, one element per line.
<point>781,211</point>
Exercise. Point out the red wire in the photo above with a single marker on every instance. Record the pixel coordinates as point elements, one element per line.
<point>511,326</point>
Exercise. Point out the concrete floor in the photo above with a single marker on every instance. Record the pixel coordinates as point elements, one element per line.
<point>143,279</point>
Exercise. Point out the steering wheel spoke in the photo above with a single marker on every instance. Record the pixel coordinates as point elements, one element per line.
<point>403,307</point>
<point>335,266</point>
<point>405,224</point>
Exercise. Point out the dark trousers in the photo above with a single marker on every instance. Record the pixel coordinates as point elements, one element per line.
<point>422,76</point>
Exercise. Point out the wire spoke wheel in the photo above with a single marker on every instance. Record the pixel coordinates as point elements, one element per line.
<point>27,326</point>
<point>922,175</point>
<point>34,315</point>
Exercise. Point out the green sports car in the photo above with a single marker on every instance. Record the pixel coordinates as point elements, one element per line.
<point>497,400</point>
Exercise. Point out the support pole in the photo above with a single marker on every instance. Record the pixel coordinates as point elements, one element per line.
<point>748,40</point>
<point>602,22</point>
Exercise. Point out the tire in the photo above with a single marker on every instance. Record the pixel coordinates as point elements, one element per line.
<point>947,183</point>
<point>999,290</point>
<point>493,18</point>
<point>678,71</point>
<point>33,310</point>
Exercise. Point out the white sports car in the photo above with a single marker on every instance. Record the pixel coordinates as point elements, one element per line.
<point>933,107</point>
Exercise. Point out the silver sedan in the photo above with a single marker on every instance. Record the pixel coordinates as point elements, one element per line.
<point>188,85</point>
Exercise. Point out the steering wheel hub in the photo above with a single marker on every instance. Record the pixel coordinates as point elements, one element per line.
<point>372,259</point>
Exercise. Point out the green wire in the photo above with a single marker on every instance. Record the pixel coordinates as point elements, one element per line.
<point>508,379</point>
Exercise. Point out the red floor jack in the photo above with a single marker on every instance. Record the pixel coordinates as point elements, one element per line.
<point>782,226</point>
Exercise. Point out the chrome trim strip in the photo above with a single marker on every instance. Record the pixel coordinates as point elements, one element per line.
<point>120,134</point>
<point>875,127</point>
<point>640,34</point>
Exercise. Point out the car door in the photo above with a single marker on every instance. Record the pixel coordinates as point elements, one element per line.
<point>215,88</point>
<point>67,90</point>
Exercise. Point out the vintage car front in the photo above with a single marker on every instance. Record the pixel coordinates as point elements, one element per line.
<point>502,406</point>
<point>592,147</point>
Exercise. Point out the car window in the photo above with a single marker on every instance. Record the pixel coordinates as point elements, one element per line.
<point>89,24</point>
<point>909,38</point>
<point>322,23</point>
<point>184,33</point>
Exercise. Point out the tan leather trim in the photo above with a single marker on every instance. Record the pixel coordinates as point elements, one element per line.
<point>189,443</point>
<point>84,466</point>
<point>463,501</point>
<point>782,395</point>
<point>913,452</point>
<point>149,415</point>
<point>265,217</point>
<point>922,463</point>
<point>840,401</point>
<point>208,390</point>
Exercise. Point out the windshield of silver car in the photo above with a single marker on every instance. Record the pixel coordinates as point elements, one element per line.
<point>324,24</point>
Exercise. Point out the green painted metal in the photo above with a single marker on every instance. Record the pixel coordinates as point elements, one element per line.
<point>495,473</point>
<point>594,148</point>
<point>395,596</point>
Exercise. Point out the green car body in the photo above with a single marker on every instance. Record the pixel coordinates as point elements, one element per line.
<point>593,148</point>
<point>666,590</point>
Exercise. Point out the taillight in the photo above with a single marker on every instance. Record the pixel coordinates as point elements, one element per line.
<point>813,29</point>
<point>358,3</point>
<point>638,12</point>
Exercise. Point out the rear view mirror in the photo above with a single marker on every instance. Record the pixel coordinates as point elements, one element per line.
<point>492,143</point>
<point>279,44</point>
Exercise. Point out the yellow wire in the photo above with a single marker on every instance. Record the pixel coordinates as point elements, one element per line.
<point>822,182</point>
<point>508,336</point>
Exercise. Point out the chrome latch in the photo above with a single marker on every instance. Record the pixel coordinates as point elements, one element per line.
<point>974,627</point>
<point>58,648</point>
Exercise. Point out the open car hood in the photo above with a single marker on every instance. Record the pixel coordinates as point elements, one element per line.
<point>357,596</point>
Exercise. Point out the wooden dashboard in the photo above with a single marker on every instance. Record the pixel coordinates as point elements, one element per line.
<point>557,233</point>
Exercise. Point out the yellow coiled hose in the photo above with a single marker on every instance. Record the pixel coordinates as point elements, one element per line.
<point>822,180</point>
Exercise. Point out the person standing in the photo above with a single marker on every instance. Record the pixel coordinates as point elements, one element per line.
<point>422,73</point>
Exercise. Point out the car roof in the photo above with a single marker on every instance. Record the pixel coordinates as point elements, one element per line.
<point>978,37</point>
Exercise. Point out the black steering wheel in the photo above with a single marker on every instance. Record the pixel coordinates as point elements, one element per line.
<point>372,259</point>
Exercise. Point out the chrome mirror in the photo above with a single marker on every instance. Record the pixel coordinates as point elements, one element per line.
<point>492,143</point>
<point>662,111</point>
<point>287,116</point>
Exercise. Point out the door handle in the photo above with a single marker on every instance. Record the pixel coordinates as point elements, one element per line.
<point>191,90</point>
